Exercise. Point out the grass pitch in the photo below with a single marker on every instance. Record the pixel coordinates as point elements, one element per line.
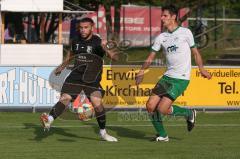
<point>216,135</point>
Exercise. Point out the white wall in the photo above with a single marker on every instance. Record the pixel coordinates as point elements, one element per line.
<point>31,54</point>
<point>32,5</point>
<point>0,28</point>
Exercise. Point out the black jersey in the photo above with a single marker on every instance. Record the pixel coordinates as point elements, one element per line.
<point>91,46</point>
<point>90,50</point>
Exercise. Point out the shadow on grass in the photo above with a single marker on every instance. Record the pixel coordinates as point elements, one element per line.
<point>40,134</point>
<point>129,133</point>
<point>122,132</point>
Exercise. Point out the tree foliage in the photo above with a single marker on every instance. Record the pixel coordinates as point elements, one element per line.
<point>45,24</point>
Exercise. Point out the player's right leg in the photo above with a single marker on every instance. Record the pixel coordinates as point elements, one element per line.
<point>56,111</point>
<point>156,118</point>
<point>96,99</point>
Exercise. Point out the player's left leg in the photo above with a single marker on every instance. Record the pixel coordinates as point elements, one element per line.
<point>189,114</point>
<point>96,99</point>
<point>165,107</point>
<point>175,89</point>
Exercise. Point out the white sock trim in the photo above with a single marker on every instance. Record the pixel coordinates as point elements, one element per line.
<point>103,131</point>
<point>170,113</point>
<point>50,118</point>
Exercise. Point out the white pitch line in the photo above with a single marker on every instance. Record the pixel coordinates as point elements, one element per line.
<point>169,125</point>
<point>89,126</point>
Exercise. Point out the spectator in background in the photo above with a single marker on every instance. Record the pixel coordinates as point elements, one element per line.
<point>9,34</point>
<point>20,37</point>
<point>73,28</point>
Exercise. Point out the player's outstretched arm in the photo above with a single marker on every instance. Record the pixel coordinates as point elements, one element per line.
<point>111,53</point>
<point>146,65</point>
<point>198,60</point>
<point>66,62</point>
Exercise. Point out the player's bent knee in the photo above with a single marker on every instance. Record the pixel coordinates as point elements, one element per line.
<point>99,108</point>
<point>65,98</point>
<point>150,107</point>
<point>96,102</point>
<point>163,111</point>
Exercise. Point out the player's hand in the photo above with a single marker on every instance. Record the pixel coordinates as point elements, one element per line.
<point>58,70</point>
<point>104,43</point>
<point>205,74</point>
<point>139,77</point>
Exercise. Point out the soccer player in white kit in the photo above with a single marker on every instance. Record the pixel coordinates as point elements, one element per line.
<point>177,44</point>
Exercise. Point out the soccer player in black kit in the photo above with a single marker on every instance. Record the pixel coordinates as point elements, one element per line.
<point>87,50</point>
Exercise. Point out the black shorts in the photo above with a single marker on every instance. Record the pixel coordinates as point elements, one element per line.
<point>73,86</point>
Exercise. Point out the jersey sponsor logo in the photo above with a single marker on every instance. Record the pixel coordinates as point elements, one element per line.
<point>89,49</point>
<point>176,39</point>
<point>82,57</point>
<point>77,46</point>
<point>172,48</point>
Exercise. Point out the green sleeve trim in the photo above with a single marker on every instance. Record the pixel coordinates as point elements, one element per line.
<point>193,46</point>
<point>152,50</point>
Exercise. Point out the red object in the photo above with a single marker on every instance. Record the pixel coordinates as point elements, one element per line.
<point>80,100</point>
<point>135,23</point>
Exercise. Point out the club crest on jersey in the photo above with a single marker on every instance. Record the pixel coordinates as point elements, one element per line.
<point>172,48</point>
<point>89,49</point>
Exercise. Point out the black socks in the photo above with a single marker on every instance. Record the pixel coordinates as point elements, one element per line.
<point>57,110</point>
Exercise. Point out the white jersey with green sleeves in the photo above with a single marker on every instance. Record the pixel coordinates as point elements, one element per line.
<point>177,47</point>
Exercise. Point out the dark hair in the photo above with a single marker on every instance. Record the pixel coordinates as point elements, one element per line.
<point>173,10</point>
<point>86,19</point>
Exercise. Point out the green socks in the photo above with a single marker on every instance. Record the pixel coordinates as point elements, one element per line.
<point>179,111</point>
<point>157,123</point>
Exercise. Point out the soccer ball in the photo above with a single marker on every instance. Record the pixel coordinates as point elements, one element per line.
<point>83,108</point>
<point>85,112</point>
